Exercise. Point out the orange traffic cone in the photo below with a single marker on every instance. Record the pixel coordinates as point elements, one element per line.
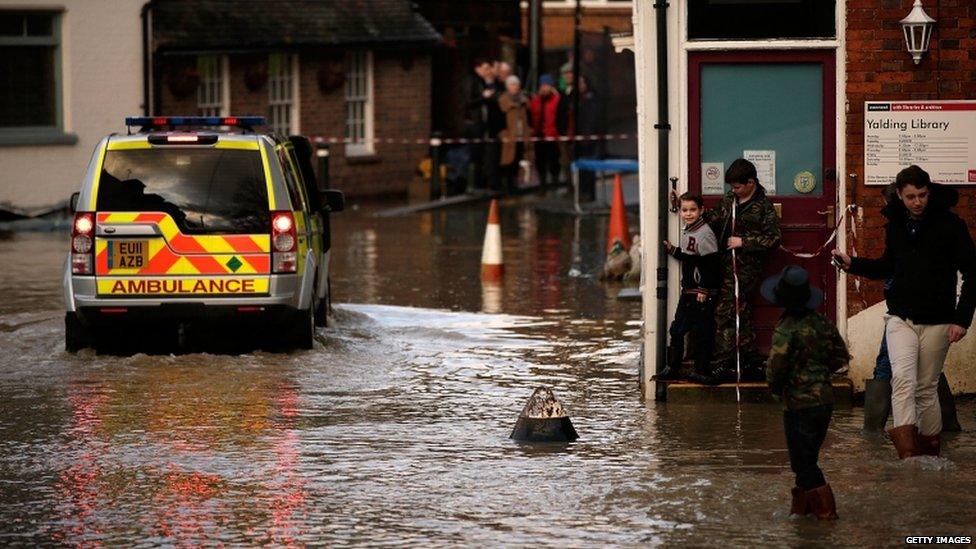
<point>619,231</point>
<point>492,267</point>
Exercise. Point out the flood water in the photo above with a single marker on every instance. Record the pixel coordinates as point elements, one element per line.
<point>394,429</point>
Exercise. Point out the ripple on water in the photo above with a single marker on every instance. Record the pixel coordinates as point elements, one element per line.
<point>395,430</point>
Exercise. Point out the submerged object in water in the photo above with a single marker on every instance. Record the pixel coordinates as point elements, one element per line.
<point>544,420</point>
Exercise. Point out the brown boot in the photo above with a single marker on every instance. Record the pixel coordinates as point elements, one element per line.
<point>821,502</point>
<point>928,445</point>
<point>800,506</point>
<point>903,438</point>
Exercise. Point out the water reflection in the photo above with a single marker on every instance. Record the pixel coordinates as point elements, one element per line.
<point>175,446</point>
<point>394,429</point>
<point>492,294</point>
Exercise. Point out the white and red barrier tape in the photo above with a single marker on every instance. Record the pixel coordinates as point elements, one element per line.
<point>437,141</point>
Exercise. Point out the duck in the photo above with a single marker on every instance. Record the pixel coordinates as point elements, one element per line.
<point>635,259</point>
<point>618,263</point>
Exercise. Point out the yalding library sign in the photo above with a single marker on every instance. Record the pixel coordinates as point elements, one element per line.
<point>938,136</point>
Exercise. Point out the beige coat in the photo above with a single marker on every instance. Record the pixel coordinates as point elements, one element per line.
<point>516,111</point>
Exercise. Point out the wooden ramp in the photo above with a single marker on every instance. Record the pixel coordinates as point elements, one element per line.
<point>684,392</point>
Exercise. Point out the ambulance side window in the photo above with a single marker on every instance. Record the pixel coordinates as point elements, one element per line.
<point>292,181</point>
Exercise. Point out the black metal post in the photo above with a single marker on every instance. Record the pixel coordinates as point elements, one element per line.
<point>322,153</point>
<point>435,167</point>
<point>535,45</point>
<point>577,38</point>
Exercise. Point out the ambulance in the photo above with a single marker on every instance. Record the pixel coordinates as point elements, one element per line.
<point>190,221</point>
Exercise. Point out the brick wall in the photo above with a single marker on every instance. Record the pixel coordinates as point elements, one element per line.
<point>880,69</point>
<point>401,90</point>
<point>170,69</point>
<point>557,24</point>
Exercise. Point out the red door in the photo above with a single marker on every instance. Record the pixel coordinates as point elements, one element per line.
<point>777,108</point>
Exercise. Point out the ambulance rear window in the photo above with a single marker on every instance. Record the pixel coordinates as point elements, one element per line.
<point>204,190</point>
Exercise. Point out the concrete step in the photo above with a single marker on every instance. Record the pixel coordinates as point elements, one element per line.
<point>685,392</point>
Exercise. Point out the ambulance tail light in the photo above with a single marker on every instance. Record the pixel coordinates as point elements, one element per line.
<point>284,242</point>
<point>82,243</point>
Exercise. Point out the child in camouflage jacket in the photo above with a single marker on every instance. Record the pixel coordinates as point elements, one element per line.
<point>806,350</point>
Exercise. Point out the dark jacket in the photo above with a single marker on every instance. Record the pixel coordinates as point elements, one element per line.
<point>496,118</point>
<point>476,105</point>
<point>590,118</point>
<point>924,267</point>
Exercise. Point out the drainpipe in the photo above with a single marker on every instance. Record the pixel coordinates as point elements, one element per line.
<point>535,44</point>
<point>663,128</point>
<point>577,38</point>
<point>146,14</point>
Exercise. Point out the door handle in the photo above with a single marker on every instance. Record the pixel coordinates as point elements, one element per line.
<point>830,212</point>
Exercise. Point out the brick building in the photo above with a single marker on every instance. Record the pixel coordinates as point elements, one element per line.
<point>357,72</point>
<point>559,18</point>
<point>792,85</point>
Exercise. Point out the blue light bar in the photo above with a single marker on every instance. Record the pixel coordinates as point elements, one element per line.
<point>172,121</point>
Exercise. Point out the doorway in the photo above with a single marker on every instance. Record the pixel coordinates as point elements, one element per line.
<point>779,110</point>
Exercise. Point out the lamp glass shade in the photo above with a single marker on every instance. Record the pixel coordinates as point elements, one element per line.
<point>917,27</point>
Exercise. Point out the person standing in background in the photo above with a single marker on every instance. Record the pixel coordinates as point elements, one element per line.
<point>588,122</point>
<point>544,109</point>
<point>479,93</point>
<point>515,139</point>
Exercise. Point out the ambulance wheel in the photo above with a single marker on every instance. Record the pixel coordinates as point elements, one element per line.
<point>303,330</point>
<point>324,306</point>
<point>76,335</point>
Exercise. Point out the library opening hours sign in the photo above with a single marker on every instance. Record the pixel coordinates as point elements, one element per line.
<point>938,136</point>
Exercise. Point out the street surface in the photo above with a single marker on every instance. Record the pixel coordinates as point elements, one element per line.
<point>394,429</point>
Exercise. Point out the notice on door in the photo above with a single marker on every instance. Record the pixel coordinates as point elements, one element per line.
<point>765,162</point>
<point>713,178</point>
<point>938,136</point>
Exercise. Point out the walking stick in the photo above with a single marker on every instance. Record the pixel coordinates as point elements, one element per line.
<point>735,281</point>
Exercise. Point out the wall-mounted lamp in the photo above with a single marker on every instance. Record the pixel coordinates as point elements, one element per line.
<point>918,31</point>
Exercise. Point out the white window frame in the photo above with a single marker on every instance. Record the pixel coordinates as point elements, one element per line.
<point>283,97</point>
<point>359,104</point>
<point>213,91</point>
<point>56,41</point>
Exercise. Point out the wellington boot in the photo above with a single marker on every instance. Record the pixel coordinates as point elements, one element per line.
<point>668,374</point>
<point>702,378</point>
<point>753,368</point>
<point>904,438</point>
<point>821,502</point>
<point>672,369</point>
<point>950,422</point>
<point>928,445</point>
<point>877,404</point>
<point>800,506</point>
<point>753,373</point>
<point>724,373</point>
